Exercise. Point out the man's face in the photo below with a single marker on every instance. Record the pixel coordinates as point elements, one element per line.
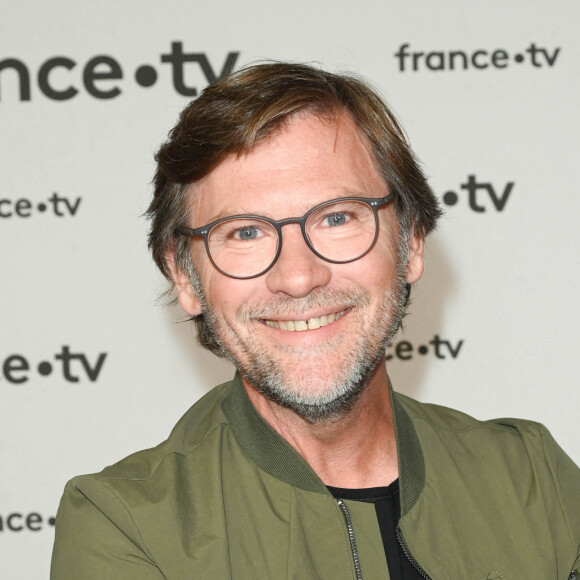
<point>317,372</point>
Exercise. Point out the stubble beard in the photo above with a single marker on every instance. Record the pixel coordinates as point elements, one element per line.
<point>291,376</point>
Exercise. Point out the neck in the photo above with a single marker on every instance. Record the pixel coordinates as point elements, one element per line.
<point>358,450</point>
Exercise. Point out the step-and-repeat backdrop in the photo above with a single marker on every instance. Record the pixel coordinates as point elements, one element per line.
<point>93,366</point>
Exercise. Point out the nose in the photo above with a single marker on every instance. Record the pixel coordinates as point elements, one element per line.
<point>298,270</point>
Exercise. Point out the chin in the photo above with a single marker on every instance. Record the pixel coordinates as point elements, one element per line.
<point>314,395</point>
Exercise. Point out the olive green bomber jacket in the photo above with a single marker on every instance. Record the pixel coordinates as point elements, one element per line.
<point>226,497</point>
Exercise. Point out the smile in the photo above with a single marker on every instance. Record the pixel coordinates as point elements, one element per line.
<point>301,325</point>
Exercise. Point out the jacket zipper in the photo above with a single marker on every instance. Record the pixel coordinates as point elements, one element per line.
<point>409,557</point>
<point>351,539</point>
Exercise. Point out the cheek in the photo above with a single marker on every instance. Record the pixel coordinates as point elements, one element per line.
<point>378,269</point>
<point>226,295</point>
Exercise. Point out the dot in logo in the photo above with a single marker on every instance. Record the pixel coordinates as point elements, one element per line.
<point>146,75</point>
<point>450,198</point>
<point>51,521</point>
<point>44,368</point>
<point>519,58</point>
<point>423,349</point>
<point>41,207</point>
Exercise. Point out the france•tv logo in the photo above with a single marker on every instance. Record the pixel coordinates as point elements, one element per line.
<point>103,75</point>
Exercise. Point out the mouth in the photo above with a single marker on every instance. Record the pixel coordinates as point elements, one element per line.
<point>302,325</point>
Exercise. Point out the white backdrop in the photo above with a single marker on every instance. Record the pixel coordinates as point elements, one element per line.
<point>92,367</point>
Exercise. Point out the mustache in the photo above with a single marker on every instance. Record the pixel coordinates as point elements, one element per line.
<point>317,299</point>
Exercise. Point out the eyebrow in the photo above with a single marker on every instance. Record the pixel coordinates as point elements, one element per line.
<point>242,211</point>
<point>225,214</point>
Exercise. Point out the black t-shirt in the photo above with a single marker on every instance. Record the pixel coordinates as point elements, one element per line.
<point>388,509</point>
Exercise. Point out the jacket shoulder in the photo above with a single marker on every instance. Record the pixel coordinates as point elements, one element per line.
<point>446,418</point>
<point>522,437</point>
<point>500,460</point>
<point>201,420</point>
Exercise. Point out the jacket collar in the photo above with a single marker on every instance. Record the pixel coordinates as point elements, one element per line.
<point>274,455</point>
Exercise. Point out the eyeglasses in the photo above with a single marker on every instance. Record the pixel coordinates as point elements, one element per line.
<point>338,231</point>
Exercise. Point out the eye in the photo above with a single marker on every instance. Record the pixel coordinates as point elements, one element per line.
<point>335,219</point>
<point>247,233</point>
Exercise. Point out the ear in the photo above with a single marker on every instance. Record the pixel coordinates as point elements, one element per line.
<point>185,293</point>
<point>415,265</point>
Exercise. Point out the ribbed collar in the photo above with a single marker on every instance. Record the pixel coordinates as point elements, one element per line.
<point>276,456</point>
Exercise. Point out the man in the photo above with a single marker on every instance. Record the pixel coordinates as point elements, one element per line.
<point>290,216</point>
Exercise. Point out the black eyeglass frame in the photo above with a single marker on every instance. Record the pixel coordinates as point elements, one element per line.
<point>204,231</point>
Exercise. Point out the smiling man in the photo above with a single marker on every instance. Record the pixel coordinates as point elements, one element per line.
<point>290,216</point>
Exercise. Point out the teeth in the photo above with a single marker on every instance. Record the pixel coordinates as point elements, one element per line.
<point>302,325</point>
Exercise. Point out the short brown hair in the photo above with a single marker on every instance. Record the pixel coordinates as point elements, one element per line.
<point>240,110</point>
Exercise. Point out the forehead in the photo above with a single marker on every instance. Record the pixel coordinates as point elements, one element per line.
<point>309,161</point>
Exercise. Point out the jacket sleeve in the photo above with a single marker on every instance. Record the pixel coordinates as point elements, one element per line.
<point>567,477</point>
<point>96,538</point>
